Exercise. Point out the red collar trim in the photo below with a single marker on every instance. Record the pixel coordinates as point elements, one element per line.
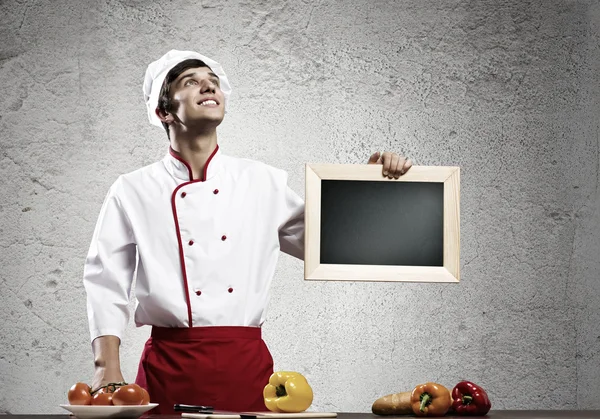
<point>174,154</point>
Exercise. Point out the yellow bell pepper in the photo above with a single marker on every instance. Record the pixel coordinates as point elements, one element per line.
<point>288,392</point>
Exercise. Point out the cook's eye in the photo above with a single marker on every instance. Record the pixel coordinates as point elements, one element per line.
<point>216,82</point>
<point>190,82</point>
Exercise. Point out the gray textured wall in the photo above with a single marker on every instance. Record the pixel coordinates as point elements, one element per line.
<point>508,90</point>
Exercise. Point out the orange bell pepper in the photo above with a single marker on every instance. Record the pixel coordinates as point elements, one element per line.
<point>430,399</point>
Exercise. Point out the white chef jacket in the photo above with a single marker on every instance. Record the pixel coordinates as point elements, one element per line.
<point>205,250</point>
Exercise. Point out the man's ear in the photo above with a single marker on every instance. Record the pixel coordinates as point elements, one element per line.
<point>165,117</point>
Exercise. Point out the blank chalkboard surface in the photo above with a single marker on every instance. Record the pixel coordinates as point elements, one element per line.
<point>382,223</point>
<point>362,226</point>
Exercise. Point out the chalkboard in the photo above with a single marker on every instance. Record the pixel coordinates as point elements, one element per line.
<point>362,226</point>
<point>382,223</point>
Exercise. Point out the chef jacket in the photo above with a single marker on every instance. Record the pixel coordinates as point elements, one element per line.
<point>204,251</point>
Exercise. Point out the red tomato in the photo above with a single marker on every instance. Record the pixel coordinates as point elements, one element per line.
<point>80,394</point>
<point>146,398</point>
<point>131,394</point>
<point>102,399</point>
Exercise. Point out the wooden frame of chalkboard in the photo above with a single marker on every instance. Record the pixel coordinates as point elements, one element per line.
<point>443,178</point>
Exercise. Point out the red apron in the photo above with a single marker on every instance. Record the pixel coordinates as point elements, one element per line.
<point>226,367</point>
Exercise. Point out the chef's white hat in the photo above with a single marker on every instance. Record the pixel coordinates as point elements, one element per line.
<point>157,72</point>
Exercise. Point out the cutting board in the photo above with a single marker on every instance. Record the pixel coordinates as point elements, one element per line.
<point>258,415</point>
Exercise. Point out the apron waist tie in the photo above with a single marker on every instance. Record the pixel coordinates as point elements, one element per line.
<point>205,332</point>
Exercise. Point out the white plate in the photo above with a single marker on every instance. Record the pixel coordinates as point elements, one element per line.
<point>95,412</point>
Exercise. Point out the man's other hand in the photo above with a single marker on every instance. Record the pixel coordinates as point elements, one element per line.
<point>394,165</point>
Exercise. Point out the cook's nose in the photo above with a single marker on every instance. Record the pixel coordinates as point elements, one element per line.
<point>207,87</point>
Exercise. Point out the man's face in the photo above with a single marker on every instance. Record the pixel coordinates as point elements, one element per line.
<point>197,99</point>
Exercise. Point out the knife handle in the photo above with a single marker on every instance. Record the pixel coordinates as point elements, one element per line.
<point>192,408</point>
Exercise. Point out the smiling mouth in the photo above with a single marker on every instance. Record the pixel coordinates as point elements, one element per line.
<point>209,102</point>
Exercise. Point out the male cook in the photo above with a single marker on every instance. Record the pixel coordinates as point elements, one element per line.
<point>204,231</point>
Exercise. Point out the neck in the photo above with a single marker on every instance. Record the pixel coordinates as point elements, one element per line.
<point>195,149</point>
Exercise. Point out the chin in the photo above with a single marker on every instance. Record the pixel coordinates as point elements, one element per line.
<point>208,122</point>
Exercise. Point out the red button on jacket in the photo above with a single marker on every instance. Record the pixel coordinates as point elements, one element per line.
<point>216,191</point>
<point>191,242</point>
<point>230,290</point>
<point>198,292</point>
<point>223,237</point>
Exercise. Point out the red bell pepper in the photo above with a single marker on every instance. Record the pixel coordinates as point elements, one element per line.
<point>470,399</point>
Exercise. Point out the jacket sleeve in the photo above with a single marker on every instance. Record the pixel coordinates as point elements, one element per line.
<point>109,268</point>
<point>291,231</point>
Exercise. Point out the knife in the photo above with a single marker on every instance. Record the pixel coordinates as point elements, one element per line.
<point>208,410</point>
<point>192,408</point>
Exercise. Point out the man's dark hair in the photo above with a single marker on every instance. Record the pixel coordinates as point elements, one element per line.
<point>164,97</point>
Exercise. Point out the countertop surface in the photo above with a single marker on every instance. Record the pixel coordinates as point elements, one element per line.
<point>494,414</point>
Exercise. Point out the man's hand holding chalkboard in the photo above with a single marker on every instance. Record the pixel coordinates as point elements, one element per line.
<point>394,165</point>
